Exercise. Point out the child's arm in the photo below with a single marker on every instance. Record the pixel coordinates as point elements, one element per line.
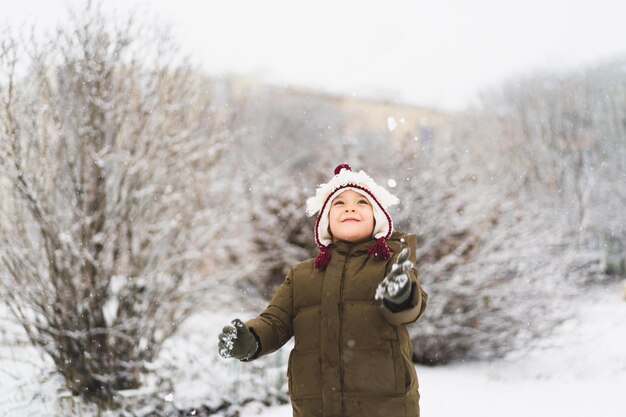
<point>263,334</point>
<point>273,327</point>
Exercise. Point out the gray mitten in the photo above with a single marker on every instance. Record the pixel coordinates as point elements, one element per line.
<point>396,287</point>
<point>237,342</point>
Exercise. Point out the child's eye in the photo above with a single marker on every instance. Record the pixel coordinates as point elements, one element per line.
<point>363,201</point>
<point>338,202</point>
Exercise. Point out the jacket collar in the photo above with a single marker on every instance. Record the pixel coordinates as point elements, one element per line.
<point>362,246</point>
<point>354,248</point>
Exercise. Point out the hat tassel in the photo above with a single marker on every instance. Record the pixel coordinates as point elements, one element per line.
<point>380,250</point>
<point>322,259</point>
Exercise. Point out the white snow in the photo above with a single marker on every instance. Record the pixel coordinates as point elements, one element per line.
<point>580,370</point>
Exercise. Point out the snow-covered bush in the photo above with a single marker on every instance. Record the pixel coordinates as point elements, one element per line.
<point>566,137</point>
<point>475,246</point>
<point>515,211</point>
<point>108,157</point>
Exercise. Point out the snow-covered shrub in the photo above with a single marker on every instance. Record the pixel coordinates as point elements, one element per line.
<point>107,160</point>
<point>513,212</point>
<point>566,137</point>
<point>475,254</point>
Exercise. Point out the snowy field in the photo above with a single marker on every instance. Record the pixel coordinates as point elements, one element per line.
<point>579,371</point>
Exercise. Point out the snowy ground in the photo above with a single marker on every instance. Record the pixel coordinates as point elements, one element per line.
<point>579,371</point>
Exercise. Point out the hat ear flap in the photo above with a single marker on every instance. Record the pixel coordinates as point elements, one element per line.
<point>323,259</point>
<point>380,250</point>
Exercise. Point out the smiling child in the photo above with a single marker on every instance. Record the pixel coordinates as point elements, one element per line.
<point>347,309</point>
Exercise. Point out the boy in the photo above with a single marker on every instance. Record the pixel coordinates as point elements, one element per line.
<point>347,309</point>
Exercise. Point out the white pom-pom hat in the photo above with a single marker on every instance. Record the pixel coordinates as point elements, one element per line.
<point>379,198</point>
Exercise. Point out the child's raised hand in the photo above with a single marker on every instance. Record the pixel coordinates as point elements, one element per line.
<point>236,342</point>
<point>396,287</point>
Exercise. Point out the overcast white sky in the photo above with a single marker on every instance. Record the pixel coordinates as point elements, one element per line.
<point>436,53</point>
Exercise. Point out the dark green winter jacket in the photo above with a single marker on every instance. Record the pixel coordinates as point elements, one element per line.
<point>352,354</point>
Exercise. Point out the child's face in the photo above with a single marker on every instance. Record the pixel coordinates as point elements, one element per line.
<point>351,217</point>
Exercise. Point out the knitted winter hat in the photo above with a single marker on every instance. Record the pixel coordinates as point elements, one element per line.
<point>379,198</point>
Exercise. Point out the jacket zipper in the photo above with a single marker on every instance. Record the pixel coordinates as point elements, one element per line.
<point>341,306</point>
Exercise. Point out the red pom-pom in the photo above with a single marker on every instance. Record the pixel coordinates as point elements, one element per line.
<point>338,168</point>
<point>380,250</point>
<point>322,260</point>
